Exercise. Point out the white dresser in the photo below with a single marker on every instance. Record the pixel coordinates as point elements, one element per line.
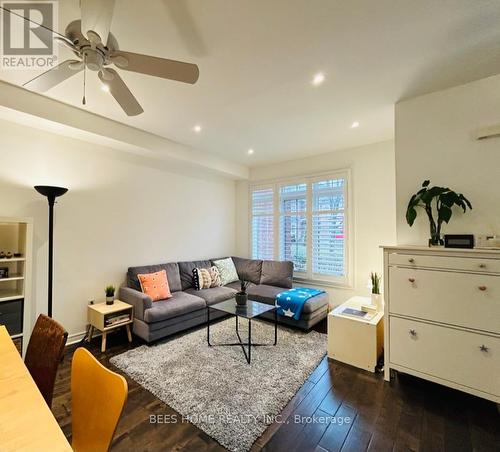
<point>442,317</point>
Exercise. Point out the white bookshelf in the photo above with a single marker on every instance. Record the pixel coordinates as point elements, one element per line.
<point>16,308</point>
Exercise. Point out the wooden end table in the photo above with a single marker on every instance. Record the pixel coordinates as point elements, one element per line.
<point>100,314</point>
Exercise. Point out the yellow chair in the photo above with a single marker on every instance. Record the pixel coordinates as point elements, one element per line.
<point>98,396</point>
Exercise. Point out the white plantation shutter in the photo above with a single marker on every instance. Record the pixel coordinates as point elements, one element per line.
<point>263,223</point>
<point>305,221</point>
<point>328,228</point>
<point>293,225</point>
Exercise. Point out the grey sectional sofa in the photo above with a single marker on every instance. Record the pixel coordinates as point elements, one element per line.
<point>188,306</point>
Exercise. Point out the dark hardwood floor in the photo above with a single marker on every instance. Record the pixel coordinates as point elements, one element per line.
<point>338,408</point>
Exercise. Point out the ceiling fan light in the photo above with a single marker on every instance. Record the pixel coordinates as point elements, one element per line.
<point>105,88</point>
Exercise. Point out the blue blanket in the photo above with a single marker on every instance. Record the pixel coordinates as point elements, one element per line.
<point>291,302</point>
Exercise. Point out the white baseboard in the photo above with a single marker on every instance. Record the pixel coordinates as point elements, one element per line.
<point>77,337</point>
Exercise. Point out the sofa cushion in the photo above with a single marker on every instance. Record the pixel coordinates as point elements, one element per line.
<point>236,285</point>
<point>155,285</point>
<point>173,276</point>
<point>180,303</point>
<point>248,269</point>
<point>267,294</point>
<point>315,303</point>
<point>213,295</point>
<point>264,293</point>
<point>186,271</point>
<point>277,273</point>
<point>227,270</point>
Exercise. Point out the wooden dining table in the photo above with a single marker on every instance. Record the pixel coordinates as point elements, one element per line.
<point>26,422</point>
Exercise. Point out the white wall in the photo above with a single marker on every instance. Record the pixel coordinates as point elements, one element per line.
<point>121,210</point>
<point>434,141</point>
<point>374,202</point>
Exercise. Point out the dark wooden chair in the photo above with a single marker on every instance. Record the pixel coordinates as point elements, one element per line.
<point>44,353</point>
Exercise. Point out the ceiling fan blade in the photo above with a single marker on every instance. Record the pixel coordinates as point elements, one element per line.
<point>121,93</point>
<point>54,76</point>
<point>158,67</point>
<point>97,16</point>
<point>65,42</point>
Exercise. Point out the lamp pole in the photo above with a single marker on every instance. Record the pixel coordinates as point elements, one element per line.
<point>51,193</point>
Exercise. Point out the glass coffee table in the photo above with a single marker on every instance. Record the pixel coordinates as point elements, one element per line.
<point>251,310</point>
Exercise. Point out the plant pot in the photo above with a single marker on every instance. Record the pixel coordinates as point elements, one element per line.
<point>241,299</point>
<point>378,301</point>
<point>110,300</point>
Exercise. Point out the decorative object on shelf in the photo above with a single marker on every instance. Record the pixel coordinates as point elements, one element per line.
<point>110,294</point>
<point>2,255</point>
<point>242,296</point>
<point>444,199</point>
<point>4,272</point>
<point>8,255</point>
<point>18,255</point>
<point>465,241</point>
<point>488,242</point>
<point>376,296</point>
<point>51,193</point>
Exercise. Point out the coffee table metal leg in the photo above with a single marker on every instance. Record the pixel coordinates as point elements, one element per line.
<point>275,326</point>
<point>249,340</point>
<point>208,326</point>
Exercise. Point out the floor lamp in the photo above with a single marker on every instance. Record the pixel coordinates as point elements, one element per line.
<point>51,193</point>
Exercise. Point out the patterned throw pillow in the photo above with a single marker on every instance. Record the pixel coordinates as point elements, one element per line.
<point>155,285</point>
<point>215,275</point>
<point>201,278</point>
<point>205,278</point>
<point>227,270</point>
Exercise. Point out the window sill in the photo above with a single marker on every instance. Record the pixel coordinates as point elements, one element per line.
<point>323,283</point>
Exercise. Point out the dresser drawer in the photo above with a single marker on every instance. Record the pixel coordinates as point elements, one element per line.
<point>472,264</point>
<point>462,357</point>
<point>11,315</point>
<point>465,299</point>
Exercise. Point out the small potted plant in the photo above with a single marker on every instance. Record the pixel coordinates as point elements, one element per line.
<point>242,296</point>
<point>376,296</point>
<point>110,294</point>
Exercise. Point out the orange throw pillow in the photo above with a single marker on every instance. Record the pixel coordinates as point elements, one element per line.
<point>155,285</point>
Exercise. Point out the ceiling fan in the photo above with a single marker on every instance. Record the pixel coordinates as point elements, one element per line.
<point>97,50</point>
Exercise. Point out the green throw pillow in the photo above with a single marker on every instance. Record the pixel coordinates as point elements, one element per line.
<point>227,270</point>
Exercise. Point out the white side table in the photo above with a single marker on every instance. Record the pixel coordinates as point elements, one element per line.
<point>354,341</point>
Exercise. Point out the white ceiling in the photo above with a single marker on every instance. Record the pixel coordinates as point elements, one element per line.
<point>257,58</point>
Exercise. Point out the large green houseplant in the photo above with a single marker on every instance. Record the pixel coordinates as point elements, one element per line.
<point>439,200</point>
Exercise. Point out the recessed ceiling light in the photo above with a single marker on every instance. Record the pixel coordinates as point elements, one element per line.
<point>197,128</point>
<point>250,151</point>
<point>318,79</point>
<point>105,88</point>
<point>354,125</point>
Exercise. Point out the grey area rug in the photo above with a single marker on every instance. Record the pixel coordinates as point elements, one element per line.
<point>215,388</point>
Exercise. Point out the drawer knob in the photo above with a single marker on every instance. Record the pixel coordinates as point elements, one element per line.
<point>411,260</point>
<point>483,348</point>
<point>482,265</point>
<point>412,280</point>
<point>413,333</point>
<point>482,288</point>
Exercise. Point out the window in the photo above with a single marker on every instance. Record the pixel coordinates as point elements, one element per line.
<point>293,225</point>
<point>304,221</point>
<point>263,223</point>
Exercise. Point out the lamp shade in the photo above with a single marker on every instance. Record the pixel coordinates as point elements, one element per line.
<point>49,191</point>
